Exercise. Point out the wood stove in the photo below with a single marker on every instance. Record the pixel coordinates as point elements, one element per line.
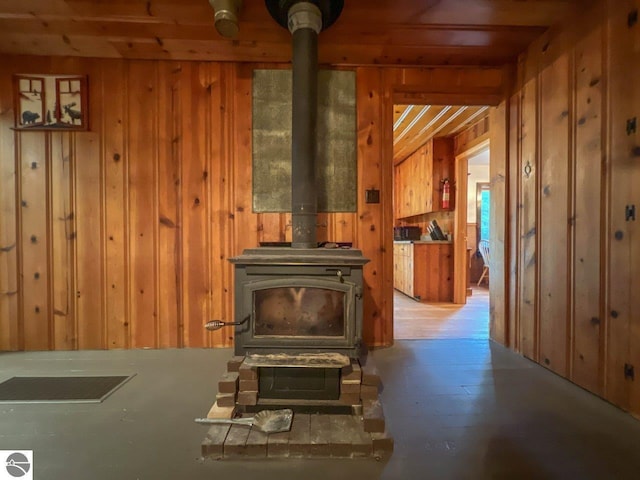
<point>298,309</point>
<point>298,301</point>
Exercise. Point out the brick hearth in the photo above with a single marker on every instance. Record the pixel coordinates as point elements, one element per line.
<point>359,434</point>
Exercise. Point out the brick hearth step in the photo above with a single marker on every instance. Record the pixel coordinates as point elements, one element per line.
<point>315,435</point>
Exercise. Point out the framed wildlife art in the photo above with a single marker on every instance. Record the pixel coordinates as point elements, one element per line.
<point>51,102</point>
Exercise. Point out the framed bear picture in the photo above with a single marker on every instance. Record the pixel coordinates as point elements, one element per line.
<point>51,102</point>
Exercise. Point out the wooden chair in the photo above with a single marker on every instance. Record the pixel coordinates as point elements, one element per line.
<point>483,246</point>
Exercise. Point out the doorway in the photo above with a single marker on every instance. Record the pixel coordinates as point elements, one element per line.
<point>439,146</point>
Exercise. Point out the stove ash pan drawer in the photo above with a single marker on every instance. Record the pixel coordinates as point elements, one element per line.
<point>315,270</point>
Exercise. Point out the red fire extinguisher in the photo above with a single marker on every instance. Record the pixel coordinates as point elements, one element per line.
<point>446,190</point>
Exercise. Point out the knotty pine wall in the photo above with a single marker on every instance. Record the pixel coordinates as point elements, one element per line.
<point>119,237</point>
<point>572,266</point>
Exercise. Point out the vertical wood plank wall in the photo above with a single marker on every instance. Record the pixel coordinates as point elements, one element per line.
<point>573,259</point>
<point>119,237</point>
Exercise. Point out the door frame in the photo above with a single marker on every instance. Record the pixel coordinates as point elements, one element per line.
<point>460,256</point>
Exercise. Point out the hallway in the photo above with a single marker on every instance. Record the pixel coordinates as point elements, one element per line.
<point>420,320</point>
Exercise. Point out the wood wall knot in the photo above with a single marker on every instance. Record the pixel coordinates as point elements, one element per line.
<point>8,248</point>
<point>167,222</point>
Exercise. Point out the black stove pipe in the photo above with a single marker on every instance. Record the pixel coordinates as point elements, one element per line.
<point>305,22</point>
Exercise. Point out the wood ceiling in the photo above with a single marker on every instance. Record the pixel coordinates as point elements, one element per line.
<point>375,32</point>
<point>414,125</point>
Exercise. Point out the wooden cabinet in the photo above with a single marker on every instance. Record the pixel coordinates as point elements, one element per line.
<point>424,271</point>
<point>418,178</point>
<point>403,267</point>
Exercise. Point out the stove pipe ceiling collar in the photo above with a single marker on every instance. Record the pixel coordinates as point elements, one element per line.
<point>226,16</point>
<point>305,15</point>
<point>329,9</point>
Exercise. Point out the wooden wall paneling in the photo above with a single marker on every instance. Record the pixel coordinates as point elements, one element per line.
<point>448,86</point>
<point>196,286</point>
<point>473,135</point>
<point>286,226</point>
<point>622,93</point>
<point>114,129</point>
<point>62,242</point>
<point>322,230</point>
<point>270,227</point>
<point>142,150</point>
<point>373,225</point>
<point>169,193</point>
<point>554,216</point>
<point>498,286</point>
<point>634,236</point>
<point>513,220</point>
<point>217,143</point>
<point>221,235</point>
<point>245,222</point>
<point>528,216</point>
<point>221,200</point>
<point>587,360</point>
<point>384,247</point>
<point>35,242</point>
<point>89,255</point>
<point>9,184</point>
<point>344,227</point>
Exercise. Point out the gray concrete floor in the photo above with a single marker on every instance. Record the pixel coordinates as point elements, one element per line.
<point>458,409</point>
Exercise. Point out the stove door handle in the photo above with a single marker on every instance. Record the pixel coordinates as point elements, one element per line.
<point>218,324</point>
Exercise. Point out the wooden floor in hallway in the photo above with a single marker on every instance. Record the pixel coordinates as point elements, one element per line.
<point>422,320</point>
